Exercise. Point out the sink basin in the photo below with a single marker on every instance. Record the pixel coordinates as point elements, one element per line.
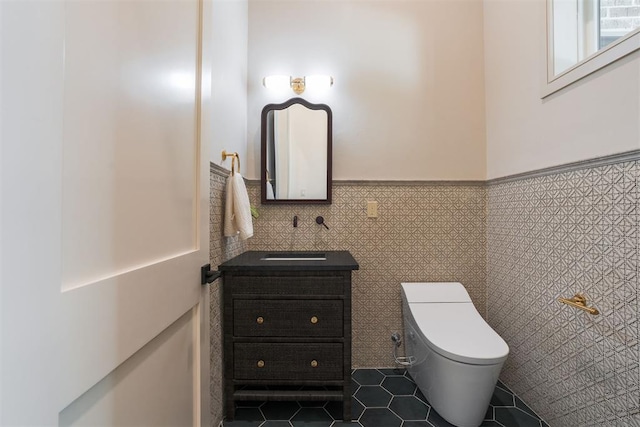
<point>294,256</point>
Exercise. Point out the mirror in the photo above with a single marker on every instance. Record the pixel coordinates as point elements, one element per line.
<point>296,153</point>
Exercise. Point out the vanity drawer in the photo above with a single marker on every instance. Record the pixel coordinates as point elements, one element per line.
<point>288,285</point>
<point>288,318</point>
<point>276,361</point>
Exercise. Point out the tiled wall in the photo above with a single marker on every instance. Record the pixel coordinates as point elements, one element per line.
<point>547,237</point>
<point>220,250</point>
<point>424,232</point>
<point>550,237</point>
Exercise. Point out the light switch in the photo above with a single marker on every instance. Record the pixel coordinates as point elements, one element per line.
<point>372,209</point>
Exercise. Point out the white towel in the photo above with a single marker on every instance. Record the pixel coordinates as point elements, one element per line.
<point>270,195</point>
<point>237,210</point>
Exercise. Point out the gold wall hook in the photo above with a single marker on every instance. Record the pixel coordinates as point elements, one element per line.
<point>579,301</point>
<point>234,157</point>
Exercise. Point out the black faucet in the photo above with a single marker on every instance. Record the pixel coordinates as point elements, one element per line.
<point>320,220</point>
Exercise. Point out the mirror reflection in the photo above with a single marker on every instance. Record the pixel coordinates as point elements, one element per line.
<point>296,153</point>
<point>583,27</point>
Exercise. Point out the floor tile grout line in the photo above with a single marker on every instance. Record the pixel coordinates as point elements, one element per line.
<point>357,421</point>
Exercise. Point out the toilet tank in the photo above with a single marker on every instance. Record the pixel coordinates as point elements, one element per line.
<point>434,292</point>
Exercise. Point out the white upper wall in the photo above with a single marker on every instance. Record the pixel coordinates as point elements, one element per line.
<point>229,81</point>
<point>408,99</point>
<point>597,116</point>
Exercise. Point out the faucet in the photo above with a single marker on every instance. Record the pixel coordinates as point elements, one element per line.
<point>320,221</point>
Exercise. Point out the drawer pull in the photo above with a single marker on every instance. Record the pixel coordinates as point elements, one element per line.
<point>260,363</point>
<point>314,363</point>
<point>314,320</point>
<point>260,320</point>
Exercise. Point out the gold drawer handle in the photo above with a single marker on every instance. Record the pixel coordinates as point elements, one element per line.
<point>260,320</point>
<point>314,320</point>
<point>260,363</point>
<point>314,363</point>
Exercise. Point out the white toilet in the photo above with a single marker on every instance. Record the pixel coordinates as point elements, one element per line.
<point>456,356</point>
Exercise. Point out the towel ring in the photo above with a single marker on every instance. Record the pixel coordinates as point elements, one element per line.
<point>234,157</point>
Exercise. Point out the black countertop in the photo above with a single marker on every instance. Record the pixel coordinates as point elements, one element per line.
<point>252,260</point>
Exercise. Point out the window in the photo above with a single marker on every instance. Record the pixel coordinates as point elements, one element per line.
<point>586,35</point>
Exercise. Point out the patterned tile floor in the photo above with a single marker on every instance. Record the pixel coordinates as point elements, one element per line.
<point>381,398</point>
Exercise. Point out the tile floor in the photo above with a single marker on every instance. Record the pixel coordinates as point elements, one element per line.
<point>381,398</point>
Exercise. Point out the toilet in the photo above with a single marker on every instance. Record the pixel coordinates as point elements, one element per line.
<point>455,357</point>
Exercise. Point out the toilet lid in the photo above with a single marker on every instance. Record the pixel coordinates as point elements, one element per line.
<point>458,332</point>
<point>435,292</point>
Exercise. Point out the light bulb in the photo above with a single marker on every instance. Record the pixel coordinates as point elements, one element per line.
<point>318,82</point>
<point>277,82</point>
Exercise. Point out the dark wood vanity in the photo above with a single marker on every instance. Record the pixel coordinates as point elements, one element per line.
<point>287,327</point>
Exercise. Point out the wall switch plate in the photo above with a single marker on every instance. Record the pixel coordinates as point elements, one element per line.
<point>372,209</point>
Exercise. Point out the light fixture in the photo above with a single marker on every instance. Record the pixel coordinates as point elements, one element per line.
<point>298,84</point>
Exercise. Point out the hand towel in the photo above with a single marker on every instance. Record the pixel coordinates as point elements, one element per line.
<point>270,194</point>
<point>237,210</point>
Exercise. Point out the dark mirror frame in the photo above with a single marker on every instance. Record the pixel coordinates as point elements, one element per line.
<point>263,152</point>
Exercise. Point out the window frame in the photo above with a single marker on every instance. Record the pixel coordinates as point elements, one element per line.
<point>594,62</point>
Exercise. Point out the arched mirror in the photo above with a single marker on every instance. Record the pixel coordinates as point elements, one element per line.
<point>296,153</point>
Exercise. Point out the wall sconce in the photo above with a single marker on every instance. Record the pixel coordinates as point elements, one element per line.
<point>298,84</point>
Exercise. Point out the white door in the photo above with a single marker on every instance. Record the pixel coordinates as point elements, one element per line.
<point>104,212</point>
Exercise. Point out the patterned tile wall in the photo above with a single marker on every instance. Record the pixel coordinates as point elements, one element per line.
<point>220,250</point>
<point>424,232</point>
<point>550,237</point>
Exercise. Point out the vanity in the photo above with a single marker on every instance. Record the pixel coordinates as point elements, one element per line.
<point>287,327</point>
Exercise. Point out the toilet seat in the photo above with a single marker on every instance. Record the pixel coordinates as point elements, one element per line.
<point>456,331</point>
